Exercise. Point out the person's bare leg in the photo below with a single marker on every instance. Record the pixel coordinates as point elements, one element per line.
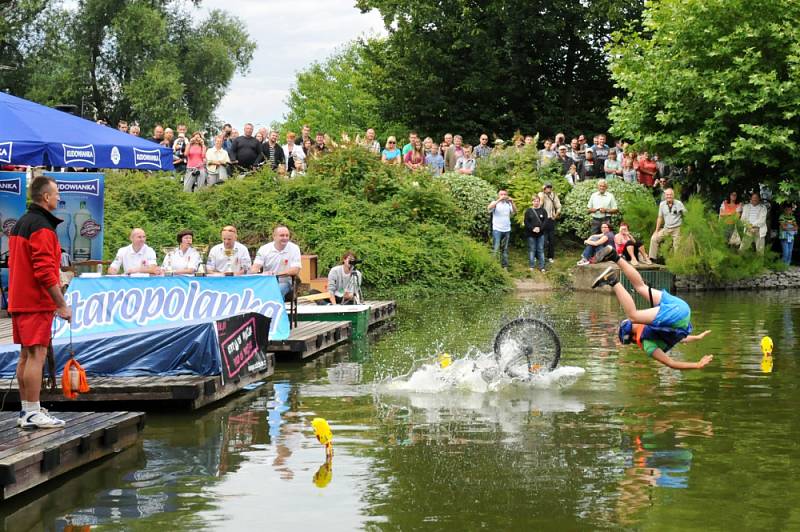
<point>638,283</point>
<point>32,377</point>
<point>645,316</point>
<point>23,359</point>
<point>632,255</point>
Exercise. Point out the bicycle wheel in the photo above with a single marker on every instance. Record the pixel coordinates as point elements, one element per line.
<point>526,345</point>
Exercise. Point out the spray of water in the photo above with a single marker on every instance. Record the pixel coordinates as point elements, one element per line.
<point>478,372</point>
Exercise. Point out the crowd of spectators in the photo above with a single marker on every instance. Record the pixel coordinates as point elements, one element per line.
<point>202,165</point>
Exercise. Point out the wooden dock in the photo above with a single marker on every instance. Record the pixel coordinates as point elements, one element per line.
<point>29,458</point>
<point>148,393</point>
<point>311,337</point>
<point>381,311</point>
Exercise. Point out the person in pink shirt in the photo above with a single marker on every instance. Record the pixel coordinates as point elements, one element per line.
<point>195,163</point>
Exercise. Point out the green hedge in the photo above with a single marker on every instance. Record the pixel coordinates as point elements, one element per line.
<point>408,227</point>
<point>472,195</point>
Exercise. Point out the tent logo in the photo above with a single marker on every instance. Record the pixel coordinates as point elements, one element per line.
<point>10,185</point>
<point>147,158</point>
<point>115,157</point>
<point>78,154</point>
<point>88,186</point>
<point>5,152</point>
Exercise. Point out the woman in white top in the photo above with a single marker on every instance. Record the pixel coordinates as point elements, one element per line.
<point>185,259</point>
<point>217,160</point>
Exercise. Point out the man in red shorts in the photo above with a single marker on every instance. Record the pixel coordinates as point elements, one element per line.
<point>34,294</point>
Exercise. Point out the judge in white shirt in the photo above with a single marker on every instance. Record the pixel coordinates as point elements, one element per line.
<point>754,216</point>
<point>136,258</point>
<point>185,259</point>
<point>217,160</point>
<point>280,257</point>
<point>220,263</point>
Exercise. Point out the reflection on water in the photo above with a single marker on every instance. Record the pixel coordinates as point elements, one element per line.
<point>623,442</point>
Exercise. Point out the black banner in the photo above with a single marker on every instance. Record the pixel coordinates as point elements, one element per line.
<point>243,344</point>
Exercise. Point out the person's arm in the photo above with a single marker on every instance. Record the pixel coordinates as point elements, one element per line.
<point>513,206</point>
<point>492,205</point>
<point>332,286</point>
<point>63,310</point>
<point>150,265</point>
<point>695,337</point>
<point>244,261</point>
<point>115,265</point>
<point>528,220</point>
<point>210,260</point>
<point>612,206</point>
<point>665,359</point>
<point>659,221</point>
<point>233,152</point>
<point>46,269</point>
<point>762,218</point>
<point>589,205</point>
<point>407,161</point>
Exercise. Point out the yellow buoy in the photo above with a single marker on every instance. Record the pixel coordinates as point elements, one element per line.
<point>324,474</point>
<point>766,345</point>
<point>323,433</point>
<point>445,360</point>
<point>766,349</point>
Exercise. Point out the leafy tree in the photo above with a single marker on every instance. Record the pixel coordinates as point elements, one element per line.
<point>17,18</point>
<point>467,66</point>
<point>334,95</point>
<point>129,59</point>
<point>716,84</point>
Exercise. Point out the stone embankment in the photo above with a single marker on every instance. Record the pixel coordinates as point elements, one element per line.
<point>767,281</point>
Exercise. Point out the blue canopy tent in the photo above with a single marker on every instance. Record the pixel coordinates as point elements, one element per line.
<point>36,135</point>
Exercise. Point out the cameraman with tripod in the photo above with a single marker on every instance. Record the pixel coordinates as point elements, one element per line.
<point>344,281</point>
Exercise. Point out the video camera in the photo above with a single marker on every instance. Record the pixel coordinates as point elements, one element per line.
<point>354,262</point>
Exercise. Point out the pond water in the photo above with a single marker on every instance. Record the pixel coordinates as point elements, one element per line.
<point>616,441</point>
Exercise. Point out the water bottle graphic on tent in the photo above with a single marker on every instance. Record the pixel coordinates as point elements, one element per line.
<point>85,230</point>
<point>63,229</point>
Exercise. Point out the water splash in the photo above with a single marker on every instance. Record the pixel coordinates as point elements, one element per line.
<point>480,373</point>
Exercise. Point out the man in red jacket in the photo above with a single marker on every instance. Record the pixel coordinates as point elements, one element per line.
<point>34,293</point>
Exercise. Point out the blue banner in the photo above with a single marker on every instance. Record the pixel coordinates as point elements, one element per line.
<point>13,194</point>
<point>81,208</point>
<point>111,304</point>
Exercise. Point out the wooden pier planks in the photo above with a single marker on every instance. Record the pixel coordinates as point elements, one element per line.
<point>179,391</point>
<point>31,457</point>
<point>311,337</point>
<point>381,311</point>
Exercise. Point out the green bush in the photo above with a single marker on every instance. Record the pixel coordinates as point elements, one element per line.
<point>501,168</point>
<point>703,249</point>
<point>472,195</point>
<point>635,202</point>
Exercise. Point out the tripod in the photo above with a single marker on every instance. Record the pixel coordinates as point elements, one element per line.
<point>354,285</point>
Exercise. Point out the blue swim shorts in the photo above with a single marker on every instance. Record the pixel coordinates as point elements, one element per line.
<point>672,312</point>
